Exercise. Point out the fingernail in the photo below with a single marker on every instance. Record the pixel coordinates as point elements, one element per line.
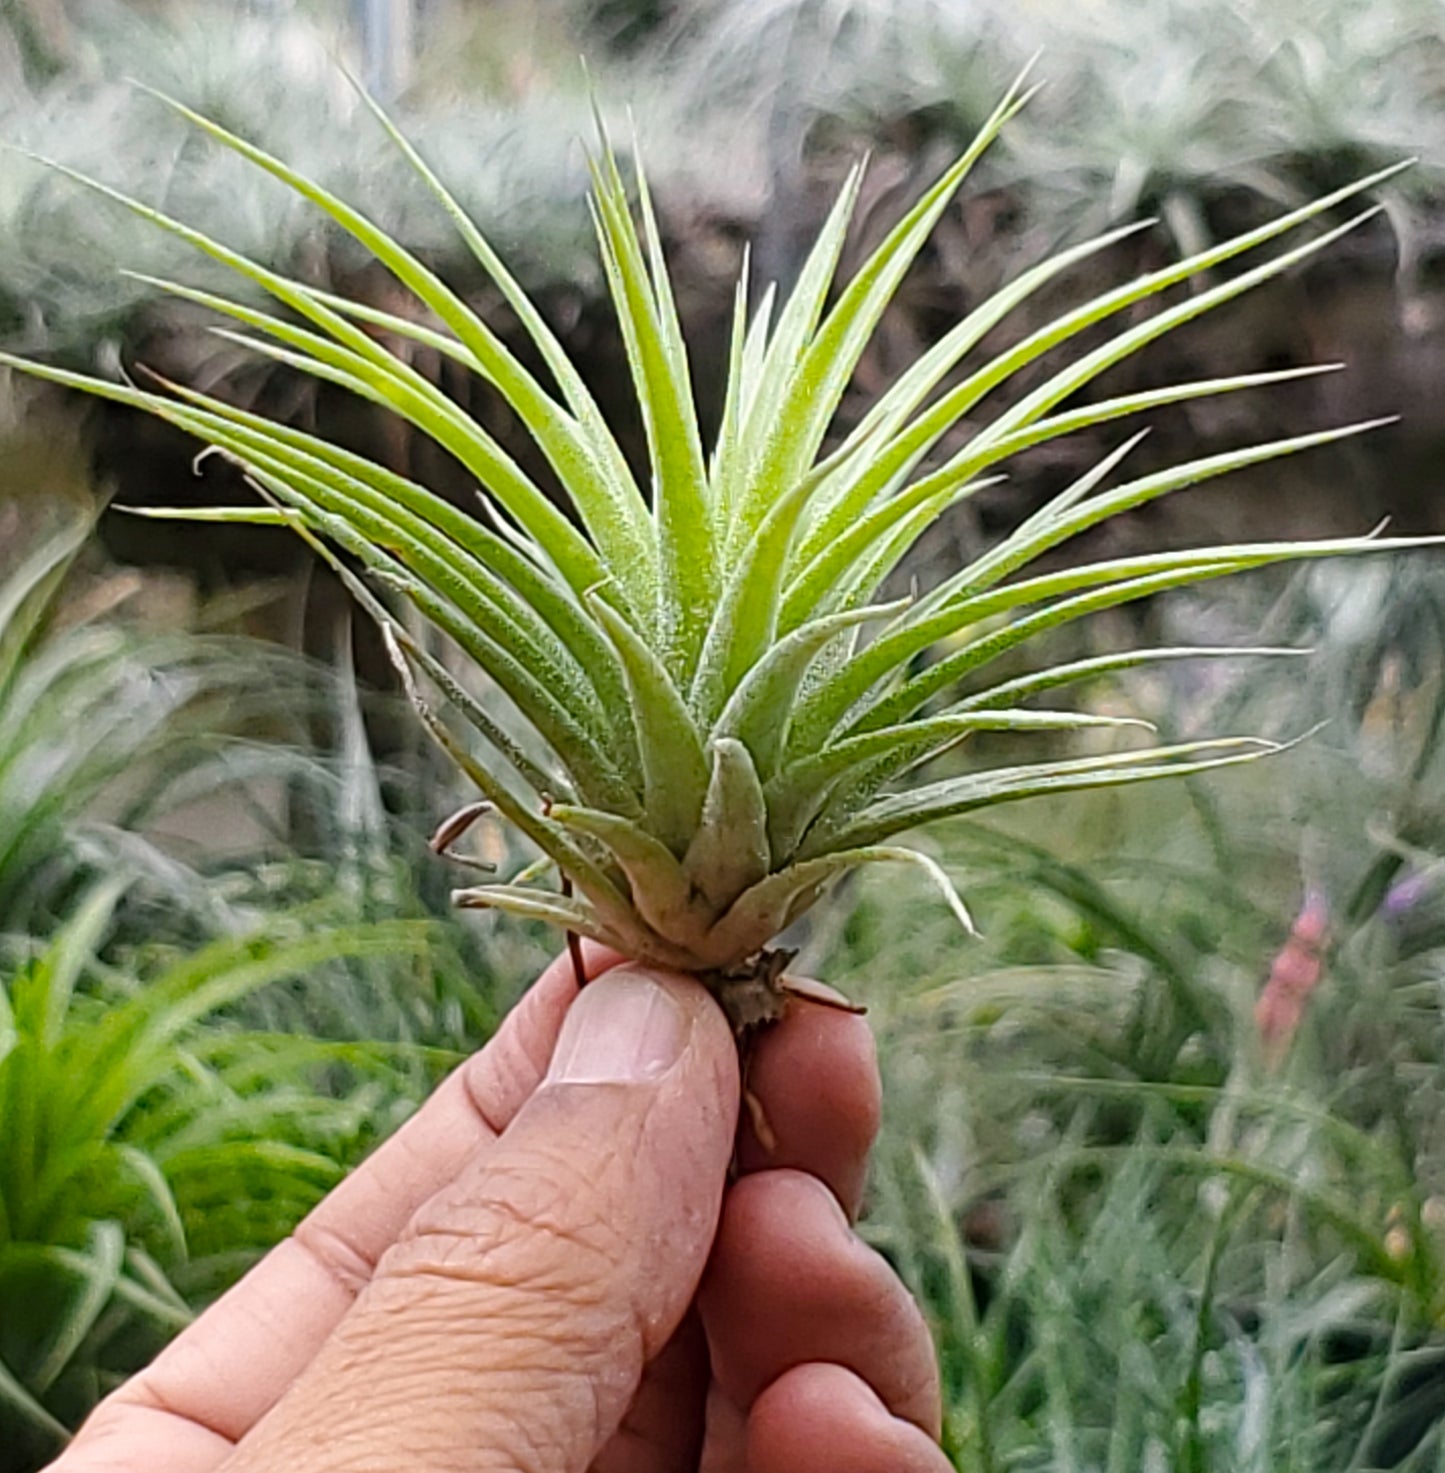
<point>624,1028</point>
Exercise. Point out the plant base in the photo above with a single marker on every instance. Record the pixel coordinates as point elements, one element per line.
<point>751,993</point>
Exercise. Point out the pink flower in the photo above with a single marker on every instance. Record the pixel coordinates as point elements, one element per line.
<point>1294,974</point>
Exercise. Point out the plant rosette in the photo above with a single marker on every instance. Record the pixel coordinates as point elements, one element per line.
<point>693,698</point>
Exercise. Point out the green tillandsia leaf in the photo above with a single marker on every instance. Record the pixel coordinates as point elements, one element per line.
<point>24,593</point>
<point>730,851</point>
<point>772,904</point>
<point>402,648</point>
<point>609,505</point>
<point>27,1409</point>
<point>866,538</point>
<point>682,515</point>
<point>579,917</point>
<point>882,421</point>
<point>959,601</point>
<point>578,752</point>
<point>575,392</point>
<point>757,712</point>
<point>938,419</point>
<point>744,623</point>
<point>458,537</point>
<point>795,795</point>
<point>1074,671</point>
<point>9,1038</point>
<point>1006,366</point>
<point>757,346</point>
<point>1125,581</point>
<point>67,959</point>
<point>815,387</point>
<point>388,381</point>
<point>143,1170</point>
<point>244,516</point>
<point>570,913</point>
<point>737,393</point>
<point>875,456</point>
<point>667,318</point>
<point>1091,416</point>
<point>603,896</point>
<point>1006,434</point>
<point>864,581</point>
<point>902,811</point>
<point>581,751</point>
<point>674,766</point>
<point>841,700</point>
<point>548,837</point>
<point>218,974</point>
<point>442,420</point>
<point>408,329</point>
<point>542,782</point>
<point>769,361</point>
<point>870,549</point>
<point>468,584</point>
<point>662,893</point>
<point>608,456</point>
<point>244,434</point>
<point>1057,506</point>
<point>1058,523</point>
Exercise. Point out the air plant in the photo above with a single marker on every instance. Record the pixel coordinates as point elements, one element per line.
<point>694,700</point>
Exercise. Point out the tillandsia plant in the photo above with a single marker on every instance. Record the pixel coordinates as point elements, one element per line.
<point>709,715</point>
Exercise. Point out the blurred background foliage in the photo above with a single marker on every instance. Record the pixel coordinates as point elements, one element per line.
<point>1165,1149</point>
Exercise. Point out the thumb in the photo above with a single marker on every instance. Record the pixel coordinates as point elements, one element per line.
<point>510,1324</point>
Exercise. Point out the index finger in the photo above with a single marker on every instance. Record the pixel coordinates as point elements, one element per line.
<point>206,1390</point>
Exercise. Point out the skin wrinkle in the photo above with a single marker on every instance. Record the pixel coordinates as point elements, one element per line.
<point>540,1369</point>
<point>537,1369</point>
<point>153,1399</point>
<point>335,1254</point>
<point>519,1201</point>
<point>458,1244</point>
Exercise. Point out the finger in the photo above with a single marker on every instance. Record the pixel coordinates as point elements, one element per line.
<point>825,1419</point>
<point>790,1283</point>
<point>517,1311</point>
<point>815,1075</point>
<point>229,1368</point>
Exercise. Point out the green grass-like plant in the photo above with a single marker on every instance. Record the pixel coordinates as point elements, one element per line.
<point>148,1152</point>
<point>696,734</point>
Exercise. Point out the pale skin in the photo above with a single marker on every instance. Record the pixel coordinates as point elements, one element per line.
<point>550,1269</point>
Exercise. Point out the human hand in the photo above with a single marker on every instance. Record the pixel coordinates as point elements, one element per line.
<point>511,1282</point>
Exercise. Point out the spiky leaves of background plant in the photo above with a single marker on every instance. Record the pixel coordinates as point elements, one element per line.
<point>709,715</point>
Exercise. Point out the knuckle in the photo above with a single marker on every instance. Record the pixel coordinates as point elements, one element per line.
<point>335,1254</point>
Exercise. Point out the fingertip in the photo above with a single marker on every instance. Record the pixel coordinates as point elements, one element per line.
<point>815,1076</point>
<point>822,1418</point>
<point>644,1024</point>
<point>790,1283</point>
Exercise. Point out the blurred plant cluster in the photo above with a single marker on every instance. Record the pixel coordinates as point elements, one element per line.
<point>1198,109</point>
